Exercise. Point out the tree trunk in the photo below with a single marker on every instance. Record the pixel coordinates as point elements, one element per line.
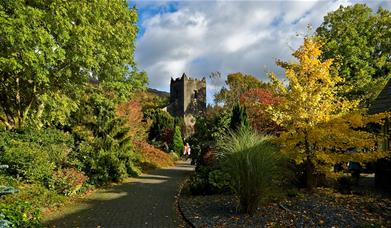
<point>19,106</point>
<point>309,166</point>
<point>310,177</point>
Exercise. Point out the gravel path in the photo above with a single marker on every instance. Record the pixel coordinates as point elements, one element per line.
<point>145,201</point>
<point>321,209</point>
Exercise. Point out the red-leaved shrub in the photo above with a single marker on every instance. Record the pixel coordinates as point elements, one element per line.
<point>153,156</point>
<point>68,181</point>
<point>256,102</point>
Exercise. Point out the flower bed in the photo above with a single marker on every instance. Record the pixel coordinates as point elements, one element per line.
<point>323,208</point>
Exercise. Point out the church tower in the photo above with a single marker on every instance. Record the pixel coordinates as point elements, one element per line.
<point>187,100</point>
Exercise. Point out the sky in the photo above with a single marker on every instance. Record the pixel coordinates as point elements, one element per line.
<point>198,37</point>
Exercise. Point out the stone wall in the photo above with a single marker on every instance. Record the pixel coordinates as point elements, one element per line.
<point>187,100</point>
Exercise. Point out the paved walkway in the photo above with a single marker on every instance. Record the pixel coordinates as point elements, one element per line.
<point>145,201</point>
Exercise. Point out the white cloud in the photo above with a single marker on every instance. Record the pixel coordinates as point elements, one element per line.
<point>226,36</point>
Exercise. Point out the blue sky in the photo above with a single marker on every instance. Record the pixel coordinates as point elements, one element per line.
<point>147,11</point>
<point>203,36</point>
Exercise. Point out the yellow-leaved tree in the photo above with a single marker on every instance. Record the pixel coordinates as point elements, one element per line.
<point>322,129</point>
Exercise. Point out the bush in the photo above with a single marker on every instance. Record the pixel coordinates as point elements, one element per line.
<point>152,157</point>
<point>108,155</point>
<point>34,154</point>
<point>239,118</point>
<point>197,185</point>
<point>103,166</point>
<point>253,163</point>
<point>20,214</point>
<point>35,194</point>
<point>174,156</point>
<point>177,141</point>
<point>68,181</point>
<point>28,162</point>
<point>220,180</point>
<point>161,120</point>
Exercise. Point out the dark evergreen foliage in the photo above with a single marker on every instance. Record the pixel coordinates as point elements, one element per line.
<point>161,121</point>
<point>177,141</point>
<point>239,118</point>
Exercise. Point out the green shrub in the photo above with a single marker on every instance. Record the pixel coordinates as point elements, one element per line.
<point>20,214</point>
<point>177,141</point>
<point>239,118</point>
<point>111,168</point>
<point>102,166</point>
<point>253,163</point>
<point>33,154</point>
<point>174,156</point>
<point>37,195</point>
<point>109,155</point>
<point>27,161</point>
<point>161,120</point>
<point>219,179</point>
<point>197,185</point>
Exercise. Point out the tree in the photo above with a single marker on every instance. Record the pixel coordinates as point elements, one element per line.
<point>236,85</point>
<point>105,148</point>
<point>238,118</point>
<point>322,129</point>
<point>256,102</point>
<point>359,41</point>
<point>56,47</point>
<point>177,141</point>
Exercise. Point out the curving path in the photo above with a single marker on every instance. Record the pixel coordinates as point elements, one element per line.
<point>145,201</point>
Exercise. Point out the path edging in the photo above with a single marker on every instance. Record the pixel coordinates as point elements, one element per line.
<point>178,204</point>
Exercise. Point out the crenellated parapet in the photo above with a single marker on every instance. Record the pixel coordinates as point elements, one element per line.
<point>187,98</point>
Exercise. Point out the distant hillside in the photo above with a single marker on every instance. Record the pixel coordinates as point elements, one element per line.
<point>159,93</point>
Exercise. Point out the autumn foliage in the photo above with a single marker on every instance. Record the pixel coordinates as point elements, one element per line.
<point>131,112</point>
<point>323,129</point>
<point>152,156</point>
<point>256,102</point>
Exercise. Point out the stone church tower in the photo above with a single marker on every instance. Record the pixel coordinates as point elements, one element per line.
<point>187,100</point>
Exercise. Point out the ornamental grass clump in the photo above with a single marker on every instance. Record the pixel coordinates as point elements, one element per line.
<point>252,161</point>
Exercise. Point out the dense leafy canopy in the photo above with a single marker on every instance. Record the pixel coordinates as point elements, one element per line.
<point>320,126</point>
<point>359,41</point>
<point>256,102</point>
<point>236,85</point>
<point>50,49</point>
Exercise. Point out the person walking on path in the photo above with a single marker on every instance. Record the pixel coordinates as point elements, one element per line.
<point>186,151</point>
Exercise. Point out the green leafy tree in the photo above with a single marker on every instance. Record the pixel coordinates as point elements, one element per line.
<point>236,85</point>
<point>56,47</point>
<point>177,141</point>
<point>359,42</point>
<point>239,118</point>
